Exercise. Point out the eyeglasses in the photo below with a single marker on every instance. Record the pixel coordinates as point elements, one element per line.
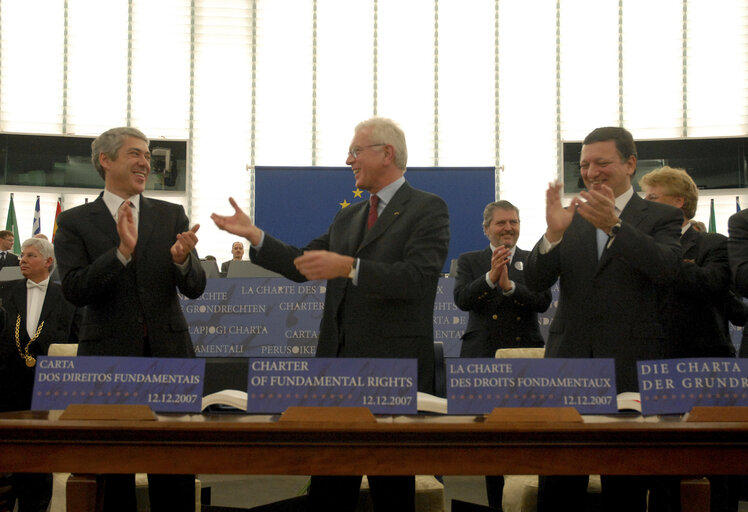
<point>655,197</point>
<point>354,152</point>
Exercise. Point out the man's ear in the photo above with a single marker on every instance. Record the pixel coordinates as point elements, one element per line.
<point>631,165</point>
<point>104,160</point>
<point>389,153</point>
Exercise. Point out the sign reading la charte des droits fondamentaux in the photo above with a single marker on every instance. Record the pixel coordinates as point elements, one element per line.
<point>164,384</point>
<point>477,386</point>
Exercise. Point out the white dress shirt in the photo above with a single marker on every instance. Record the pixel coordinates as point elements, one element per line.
<point>35,293</point>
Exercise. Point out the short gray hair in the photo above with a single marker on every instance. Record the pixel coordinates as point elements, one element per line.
<point>497,205</point>
<point>44,247</point>
<point>109,143</point>
<point>386,131</point>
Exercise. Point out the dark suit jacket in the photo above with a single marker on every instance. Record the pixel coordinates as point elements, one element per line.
<point>123,302</point>
<point>11,260</point>
<point>737,247</point>
<point>225,267</point>
<point>389,314</point>
<point>60,326</point>
<point>696,310</point>
<point>612,308</point>
<point>495,320</point>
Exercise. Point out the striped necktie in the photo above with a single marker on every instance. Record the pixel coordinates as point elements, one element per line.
<point>373,203</point>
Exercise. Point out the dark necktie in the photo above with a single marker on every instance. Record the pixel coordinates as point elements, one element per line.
<point>2,259</point>
<point>373,203</point>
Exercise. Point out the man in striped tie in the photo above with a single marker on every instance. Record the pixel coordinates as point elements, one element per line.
<point>382,260</point>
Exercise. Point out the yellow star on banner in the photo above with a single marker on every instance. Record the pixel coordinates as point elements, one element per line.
<point>344,203</point>
<point>357,192</point>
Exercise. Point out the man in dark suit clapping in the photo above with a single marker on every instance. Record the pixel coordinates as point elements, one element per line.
<point>612,252</point>
<point>382,260</point>
<point>490,285</point>
<point>124,256</point>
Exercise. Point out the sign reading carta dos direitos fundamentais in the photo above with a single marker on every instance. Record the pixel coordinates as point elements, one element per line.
<point>164,384</point>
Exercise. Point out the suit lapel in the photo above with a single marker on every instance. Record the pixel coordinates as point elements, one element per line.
<point>145,226</point>
<point>689,243</point>
<point>100,218</point>
<point>588,242</point>
<point>358,225</point>
<point>51,299</point>
<point>485,259</point>
<point>390,214</point>
<point>634,211</point>
<point>19,300</point>
<point>519,257</point>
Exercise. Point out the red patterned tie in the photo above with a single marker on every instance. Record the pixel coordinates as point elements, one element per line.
<point>373,203</point>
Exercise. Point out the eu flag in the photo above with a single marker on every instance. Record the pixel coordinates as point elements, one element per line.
<point>297,204</point>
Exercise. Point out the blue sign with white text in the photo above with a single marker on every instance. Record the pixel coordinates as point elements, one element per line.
<point>674,386</point>
<point>166,385</point>
<point>478,385</point>
<point>256,317</point>
<point>276,317</point>
<point>385,386</point>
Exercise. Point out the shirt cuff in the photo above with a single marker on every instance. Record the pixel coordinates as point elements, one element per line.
<point>262,241</point>
<point>546,246</point>
<point>511,290</point>
<point>184,267</point>
<point>355,272</point>
<point>122,259</point>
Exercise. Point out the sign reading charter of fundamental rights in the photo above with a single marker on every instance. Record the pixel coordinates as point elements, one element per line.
<point>477,385</point>
<point>166,385</point>
<point>385,386</point>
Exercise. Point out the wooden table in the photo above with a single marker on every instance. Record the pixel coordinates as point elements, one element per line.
<point>239,444</point>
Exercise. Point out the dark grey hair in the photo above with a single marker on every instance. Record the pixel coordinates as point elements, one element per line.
<point>109,143</point>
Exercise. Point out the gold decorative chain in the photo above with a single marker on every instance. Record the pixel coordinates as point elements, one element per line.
<point>30,360</point>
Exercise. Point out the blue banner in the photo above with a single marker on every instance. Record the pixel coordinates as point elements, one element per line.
<point>275,317</point>
<point>256,317</point>
<point>297,204</point>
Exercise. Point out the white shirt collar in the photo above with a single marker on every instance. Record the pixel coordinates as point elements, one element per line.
<point>623,199</point>
<point>43,282</point>
<point>511,253</point>
<point>113,202</point>
<point>388,192</point>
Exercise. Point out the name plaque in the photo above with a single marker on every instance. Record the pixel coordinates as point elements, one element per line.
<point>478,385</point>
<point>674,386</point>
<point>385,386</point>
<point>166,385</point>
